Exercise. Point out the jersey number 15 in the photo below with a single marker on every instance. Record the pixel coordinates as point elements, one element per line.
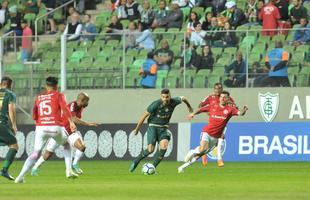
<point>45,108</point>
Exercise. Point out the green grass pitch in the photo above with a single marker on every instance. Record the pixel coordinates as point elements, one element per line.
<point>111,180</point>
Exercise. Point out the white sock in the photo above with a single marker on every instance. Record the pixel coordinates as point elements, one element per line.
<point>68,158</point>
<point>196,150</point>
<point>77,157</point>
<point>219,147</point>
<point>193,160</point>
<point>39,163</point>
<point>27,166</point>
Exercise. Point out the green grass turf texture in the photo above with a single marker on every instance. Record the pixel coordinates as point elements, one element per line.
<point>111,180</point>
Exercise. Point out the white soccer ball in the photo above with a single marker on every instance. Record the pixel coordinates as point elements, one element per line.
<point>148,169</point>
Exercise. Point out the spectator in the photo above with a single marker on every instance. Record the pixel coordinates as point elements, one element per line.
<point>73,30</point>
<point>276,63</point>
<point>218,6</point>
<point>193,18</point>
<point>161,13</point>
<point>252,11</point>
<point>282,5</point>
<point>212,34</point>
<point>269,14</point>
<point>26,41</point>
<point>147,16</point>
<point>15,19</point>
<point>197,36</point>
<point>298,12</point>
<point>206,24</point>
<point>148,72</point>
<point>131,35</point>
<point>302,35</point>
<point>236,72</point>
<point>237,17</point>
<point>121,12</point>
<point>226,38</point>
<point>145,40</point>
<point>4,13</point>
<point>205,60</point>
<point>188,56</point>
<point>174,19</point>
<point>133,10</point>
<point>51,5</point>
<point>182,3</point>
<point>89,29</point>
<point>256,75</point>
<point>116,25</point>
<point>32,6</point>
<point>164,56</point>
<point>71,10</point>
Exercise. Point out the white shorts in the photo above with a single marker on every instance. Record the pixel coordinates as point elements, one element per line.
<point>52,145</point>
<point>43,133</point>
<point>212,142</point>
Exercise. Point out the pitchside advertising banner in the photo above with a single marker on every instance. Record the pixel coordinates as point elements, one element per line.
<point>108,141</point>
<point>275,141</point>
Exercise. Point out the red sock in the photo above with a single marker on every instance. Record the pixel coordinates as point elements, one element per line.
<point>204,160</point>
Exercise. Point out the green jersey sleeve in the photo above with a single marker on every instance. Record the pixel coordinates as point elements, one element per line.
<point>177,100</point>
<point>12,98</point>
<point>153,107</point>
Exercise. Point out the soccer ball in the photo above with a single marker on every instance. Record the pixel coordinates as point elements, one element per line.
<point>148,169</point>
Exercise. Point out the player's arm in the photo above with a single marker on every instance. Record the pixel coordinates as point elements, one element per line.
<point>79,121</point>
<point>201,110</point>
<point>67,113</point>
<point>140,122</point>
<point>190,109</point>
<point>12,115</point>
<point>243,111</point>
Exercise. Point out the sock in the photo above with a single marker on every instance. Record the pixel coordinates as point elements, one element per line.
<point>219,147</point>
<point>193,160</point>
<point>77,157</point>
<point>28,164</point>
<point>143,154</point>
<point>9,159</point>
<point>159,156</point>
<point>39,162</point>
<point>68,158</point>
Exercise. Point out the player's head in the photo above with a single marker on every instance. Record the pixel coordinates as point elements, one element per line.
<point>218,88</point>
<point>224,97</point>
<point>51,83</point>
<point>6,82</point>
<point>82,99</point>
<point>165,96</point>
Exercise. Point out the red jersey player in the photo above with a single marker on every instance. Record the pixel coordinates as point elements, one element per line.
<point>212,100</point>
<point>219,115</point>
<point>49,109</point>
<point>74,139</point>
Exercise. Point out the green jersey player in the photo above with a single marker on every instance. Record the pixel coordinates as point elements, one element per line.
<point>8,127</point>
<point>159,114</point>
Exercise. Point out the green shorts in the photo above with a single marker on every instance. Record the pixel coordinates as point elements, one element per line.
<point>157,134</point>
<point>7,136</point>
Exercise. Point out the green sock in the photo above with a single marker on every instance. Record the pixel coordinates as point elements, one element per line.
<point>143,154</point>
<point>9,159</point>
<point>159,156</point>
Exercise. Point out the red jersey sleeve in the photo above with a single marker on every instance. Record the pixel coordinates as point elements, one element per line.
<point>205,109</point>
<point>276,13</point>
<point>35,111</point>
<point>234,111</point>
<point>205,102</point>
<point>63,105</point>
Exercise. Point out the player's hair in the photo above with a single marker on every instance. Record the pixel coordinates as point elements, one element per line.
<point>218,84</point>
<point>51,81</point>
<point>82,95</point>
<point>150,55</point>
<point>225,92</point>
<point>165,91</point>
<point>7,80</point>
<point>88,15</point>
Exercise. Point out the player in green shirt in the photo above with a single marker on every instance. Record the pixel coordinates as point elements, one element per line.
<point>8,126</point>
<point>159,114</point>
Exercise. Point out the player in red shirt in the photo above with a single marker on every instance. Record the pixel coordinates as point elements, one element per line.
<point>270,15</point>
<point>49,109</point>
<point>212,100</point>
<point>219,115</point>
<point>74,139</point>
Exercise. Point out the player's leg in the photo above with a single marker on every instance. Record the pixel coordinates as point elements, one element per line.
<point>151,141</point>
<point>41,137</point>
<point>204,160</point>
<point>7,137</point>
<point>47,154</point>
<point>220,162</point>
<point>164,138</point>
<point>77,142</point>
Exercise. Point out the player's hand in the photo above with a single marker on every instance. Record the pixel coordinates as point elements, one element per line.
<point>93,124</point>
<point>190,116</point>
<point>135,131</point>
<point>245,108</point>
<point>73,127</point>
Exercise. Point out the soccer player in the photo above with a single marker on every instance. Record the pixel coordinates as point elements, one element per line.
<point>74,139</point>
<point>219,115</point>
<point>8,129</point>
<point>212,100</point>
<point>158,114</point>
<point>49,110</point>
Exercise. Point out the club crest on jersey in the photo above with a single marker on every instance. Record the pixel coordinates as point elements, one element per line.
<point>268,104</point>
<point>225,112</point>
<point>167,110</point>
